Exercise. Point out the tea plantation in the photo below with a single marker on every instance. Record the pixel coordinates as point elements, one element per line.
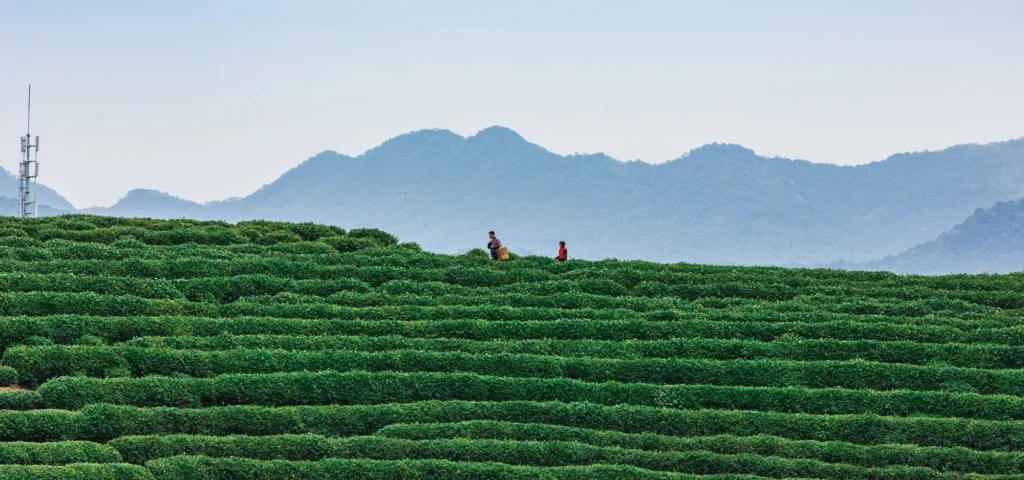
<point>145,349</point>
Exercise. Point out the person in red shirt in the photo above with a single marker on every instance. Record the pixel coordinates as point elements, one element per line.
<point>563,253</point>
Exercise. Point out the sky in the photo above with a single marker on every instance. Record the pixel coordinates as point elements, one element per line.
<point>211,99</point>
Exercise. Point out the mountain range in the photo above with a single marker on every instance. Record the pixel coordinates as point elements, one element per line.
<point>720,203</point>
<point>989,241</point>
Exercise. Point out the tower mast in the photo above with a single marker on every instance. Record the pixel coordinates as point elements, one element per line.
<point>28,168</point>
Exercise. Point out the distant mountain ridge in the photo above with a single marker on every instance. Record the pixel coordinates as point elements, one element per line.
<point>46,195</point>
<point>989,241</point>
<point>720,203</point>
<point>151,203</point>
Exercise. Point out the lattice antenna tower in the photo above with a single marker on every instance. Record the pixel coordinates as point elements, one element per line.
<point>28,168</point>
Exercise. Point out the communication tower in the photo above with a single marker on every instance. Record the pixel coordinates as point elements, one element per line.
<point>29,168</point>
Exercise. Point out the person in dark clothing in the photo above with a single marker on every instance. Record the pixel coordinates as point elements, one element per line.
<point>563,253</point>
<point>493,245</point>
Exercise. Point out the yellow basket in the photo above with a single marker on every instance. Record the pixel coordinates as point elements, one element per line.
<point>503,253</point>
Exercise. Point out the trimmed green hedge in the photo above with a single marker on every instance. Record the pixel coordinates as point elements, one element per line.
<point>484,323</point>
<point>57,453</point>
<point>542,454</point>
<point>40,426</point>
<point>893,298</point>
<point>203,468</point>
<point>105,422</point>
<point>38,363</point>
<point>938,458</point>
<point>105,285</point>
<point>354,388</point>
<point>77,471</point>
<point>659,324</point>
<point>20,400</point>
<point>224,290</point>
<point>8,376</point>
<point>986,356</point>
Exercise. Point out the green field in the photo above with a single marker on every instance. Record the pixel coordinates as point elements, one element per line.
<point>142,349</point>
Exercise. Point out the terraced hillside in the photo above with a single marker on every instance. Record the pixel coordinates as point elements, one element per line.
<point>141,349</point>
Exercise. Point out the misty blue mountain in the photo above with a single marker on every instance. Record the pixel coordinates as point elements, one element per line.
<point>719,203</point>
<point>990,241</point>
<point>47,196</point>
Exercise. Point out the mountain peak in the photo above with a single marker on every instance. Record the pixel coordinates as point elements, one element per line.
<point>424,135</point>
<point>430,139</point>
<point>145,192</point>
<point>149,195</point>
<point>329,154</point>
<point>720,150</point>
<point>144,202</point>
<point>500,139</point>
<point>498,133</point>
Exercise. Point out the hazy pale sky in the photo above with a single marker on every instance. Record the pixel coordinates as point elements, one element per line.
<point>212,99</point>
